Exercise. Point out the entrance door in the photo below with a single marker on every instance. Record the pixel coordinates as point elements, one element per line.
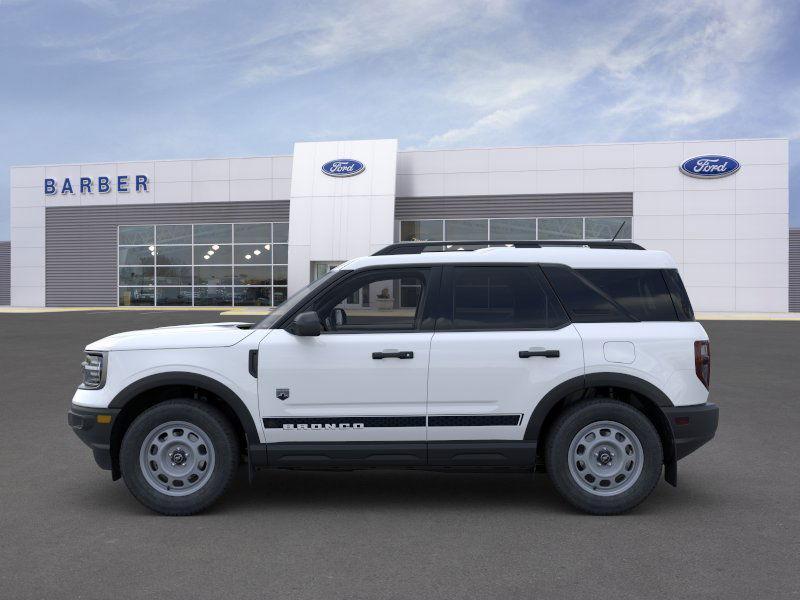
<point>501,343</point>
<point>363,381</point>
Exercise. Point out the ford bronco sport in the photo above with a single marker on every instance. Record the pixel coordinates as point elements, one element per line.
<point>580,360</point>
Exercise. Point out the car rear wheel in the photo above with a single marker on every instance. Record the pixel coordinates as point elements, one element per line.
<point>179,457</point>
<point>604,456</point>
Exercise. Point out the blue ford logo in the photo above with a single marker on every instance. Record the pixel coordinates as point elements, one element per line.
<point>710,166</point>
<point>343,167</point>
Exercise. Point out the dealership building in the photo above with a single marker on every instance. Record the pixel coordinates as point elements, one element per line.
<point>250,231</point>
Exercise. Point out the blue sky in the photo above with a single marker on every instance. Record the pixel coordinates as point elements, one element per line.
<point>98,80</point>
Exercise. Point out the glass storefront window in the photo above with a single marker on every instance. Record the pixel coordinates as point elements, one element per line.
<point>136,275</point>
<point>280,233</point>
<point>205,264</point>
<point>135,235</point>
<point>135,255</point>
<point>256,254</point>
<point>252,275</point>
<point>466,229</point>
<point>212,254</point>
<point>252,296</point>
<point>136,296</point>
<point>212,296</point>
<point>280,254</point>
<point>604,228</point>
<point>174,255</point>
<point>174,296</point>
<point>502,229</point>
<point>174,276</point>
<point>561,228</point>
<point>213,233</point>
<point>512,229</point>
<point>256,233</point>
<point>422,231</point>
<point>173,234</point>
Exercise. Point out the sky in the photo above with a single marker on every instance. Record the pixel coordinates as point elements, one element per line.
<point>97,80</point>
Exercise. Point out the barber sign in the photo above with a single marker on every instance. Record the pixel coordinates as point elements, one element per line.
<point>710,166</point>
<point>343,167</point>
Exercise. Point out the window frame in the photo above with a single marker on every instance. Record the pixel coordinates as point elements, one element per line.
<point>444,311</point>
<point>656,273</point>
<point>431,274</point>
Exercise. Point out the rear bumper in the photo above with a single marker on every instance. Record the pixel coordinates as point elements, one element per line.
<point>95,434</point>
<point>692,426</point>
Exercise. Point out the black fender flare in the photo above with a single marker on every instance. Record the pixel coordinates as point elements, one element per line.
<point>582,382</point>
<point>194,380</point>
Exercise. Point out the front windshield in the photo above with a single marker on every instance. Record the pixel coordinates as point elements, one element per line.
<point>296,299</point>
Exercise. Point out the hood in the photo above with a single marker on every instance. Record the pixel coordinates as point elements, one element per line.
<point>207,335</point>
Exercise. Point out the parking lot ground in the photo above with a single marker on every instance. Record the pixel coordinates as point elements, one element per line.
<point>731,529</point>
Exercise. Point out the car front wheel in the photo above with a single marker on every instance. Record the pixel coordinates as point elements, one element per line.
<point>604,456</point>
<point>179,457</point>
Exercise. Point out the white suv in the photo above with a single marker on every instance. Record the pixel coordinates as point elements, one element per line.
<point>584,361</point>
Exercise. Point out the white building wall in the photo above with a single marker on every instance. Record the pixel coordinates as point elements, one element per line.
<point>333,219</point>
<point>169,181</point>
<point>728,235</point>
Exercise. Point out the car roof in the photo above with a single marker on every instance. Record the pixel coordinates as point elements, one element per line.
<point>575,257</point>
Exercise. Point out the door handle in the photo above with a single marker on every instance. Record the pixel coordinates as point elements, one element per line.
<point>544,353</point>
<point>393,354</point>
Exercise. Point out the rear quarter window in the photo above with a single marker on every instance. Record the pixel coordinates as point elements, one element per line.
<point>641,292</point>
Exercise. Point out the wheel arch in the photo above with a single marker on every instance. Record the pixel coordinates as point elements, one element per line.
<point>153,389</point>
<point>632,390</point>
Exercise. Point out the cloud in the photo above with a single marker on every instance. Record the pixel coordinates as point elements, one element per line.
<point>672,65</point>
<point>327,39</point>
<point>499,119</point>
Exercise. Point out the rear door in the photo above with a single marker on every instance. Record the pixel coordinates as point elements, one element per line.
<point>502,342</point>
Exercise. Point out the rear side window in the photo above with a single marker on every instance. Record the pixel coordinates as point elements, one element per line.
<point>585,302</point>
<point>499,298</point>
<point>679,296</point>
<point>642,292</point>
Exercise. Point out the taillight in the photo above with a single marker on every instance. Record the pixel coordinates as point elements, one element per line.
<point>702,361</point>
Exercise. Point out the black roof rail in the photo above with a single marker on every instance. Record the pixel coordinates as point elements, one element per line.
<point>451,246</point>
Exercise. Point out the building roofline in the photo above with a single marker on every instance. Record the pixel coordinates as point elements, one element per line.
<point>631,143</point>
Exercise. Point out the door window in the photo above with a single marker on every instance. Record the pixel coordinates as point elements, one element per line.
<point>380,301</point>
<point>500,298</point>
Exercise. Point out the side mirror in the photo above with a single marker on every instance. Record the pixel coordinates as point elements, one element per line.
<point>306,323</point>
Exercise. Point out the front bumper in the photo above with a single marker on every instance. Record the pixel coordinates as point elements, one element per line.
<point>692,426</point>
<point>93,426</point>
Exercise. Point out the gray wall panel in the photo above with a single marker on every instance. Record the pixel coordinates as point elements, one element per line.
<point>5,273</point>
<point>545,205</point>
<point>82,241</point>
<point>794,270</point>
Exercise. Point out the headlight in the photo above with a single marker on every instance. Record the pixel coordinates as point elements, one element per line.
<point>93,371</point>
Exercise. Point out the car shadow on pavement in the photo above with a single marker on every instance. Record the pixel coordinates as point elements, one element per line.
<point>355,491</point>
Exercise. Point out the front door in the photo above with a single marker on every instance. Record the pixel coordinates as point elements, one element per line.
<point>359,384</point>
<point>502,342</point>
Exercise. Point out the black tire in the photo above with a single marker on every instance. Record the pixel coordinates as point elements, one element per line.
<point>557,456</point>
<point>221,436</point>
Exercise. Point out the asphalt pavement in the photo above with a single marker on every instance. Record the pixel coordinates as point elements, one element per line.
<point>731,528</point>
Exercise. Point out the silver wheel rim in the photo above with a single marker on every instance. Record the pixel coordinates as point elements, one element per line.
<point>605,458</point>
<point>177,458</point>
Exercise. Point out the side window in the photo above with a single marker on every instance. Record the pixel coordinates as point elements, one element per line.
<point>500,298</point>
<point>679,296</point>
<point>585,302</point>
<point>642,292</point>
<point>379,301</point>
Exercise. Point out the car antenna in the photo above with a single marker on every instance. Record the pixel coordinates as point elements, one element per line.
<point>618,230</point>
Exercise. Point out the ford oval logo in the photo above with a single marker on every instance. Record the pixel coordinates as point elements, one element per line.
<point>343,167</point>
<point>710,166</point>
